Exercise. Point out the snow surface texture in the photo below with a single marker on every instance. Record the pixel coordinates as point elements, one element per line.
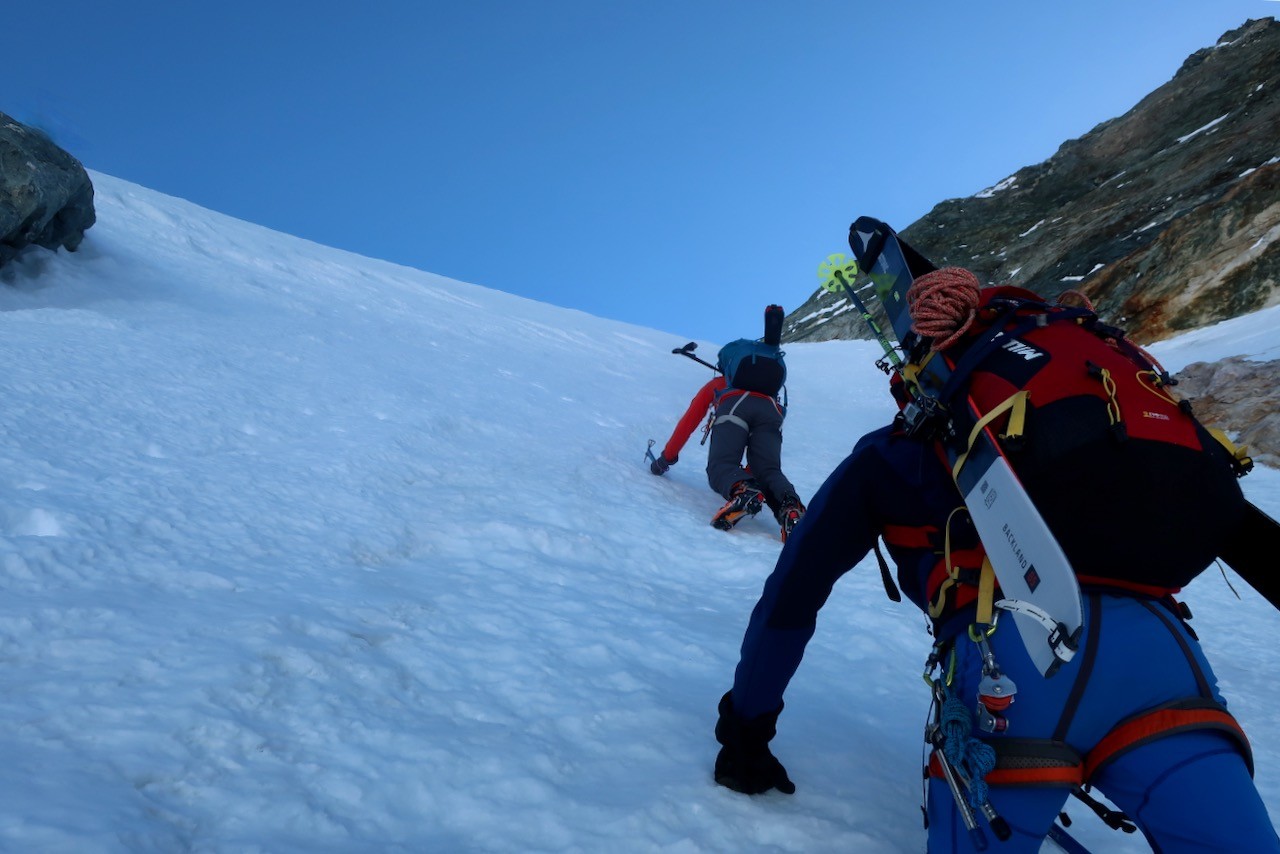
<point>306,552</point>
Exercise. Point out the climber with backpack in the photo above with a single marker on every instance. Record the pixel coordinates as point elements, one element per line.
<point>745,406</point>
<point>1141,498</point>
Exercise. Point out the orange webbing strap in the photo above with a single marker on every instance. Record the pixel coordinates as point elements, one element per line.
<point>1179,716</point>
<point>909,536</point>
<point>1044,762</point>
<point>1016,405</point>
<point>1033,762</point>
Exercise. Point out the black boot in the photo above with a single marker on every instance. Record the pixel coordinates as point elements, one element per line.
<point>789,514</point>
<point>746,499</point>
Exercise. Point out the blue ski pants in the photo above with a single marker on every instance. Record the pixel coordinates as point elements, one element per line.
<point>1187,791</point>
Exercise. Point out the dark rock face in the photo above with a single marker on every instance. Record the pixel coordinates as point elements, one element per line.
<point>1167,218</point>
<point>46,197</point>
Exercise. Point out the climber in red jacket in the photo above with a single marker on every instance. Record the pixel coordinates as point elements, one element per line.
<point>747,420</point>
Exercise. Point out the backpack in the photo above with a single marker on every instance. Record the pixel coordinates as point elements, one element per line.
<point>750,365</point>
<point>1138,493</point>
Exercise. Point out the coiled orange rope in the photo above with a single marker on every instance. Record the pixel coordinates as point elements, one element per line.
<point>943,304</point>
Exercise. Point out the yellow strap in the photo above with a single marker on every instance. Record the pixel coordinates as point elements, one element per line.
<point>1113,404</point>
<point>986,591</point>
<point>935,607</point>
<point>1239,452</point>
<point>1154,384</point>
<point>1017,417</point>
<point>1019,400</point>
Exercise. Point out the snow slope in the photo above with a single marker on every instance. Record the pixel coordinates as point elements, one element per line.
<point>306,552</point>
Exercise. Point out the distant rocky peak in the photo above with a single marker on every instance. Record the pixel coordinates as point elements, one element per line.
<point>1166,217</point>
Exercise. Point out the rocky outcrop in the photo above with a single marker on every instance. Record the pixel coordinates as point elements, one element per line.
<point>1167,217</point>
<point>1239,397</point>
<point>46,197</point>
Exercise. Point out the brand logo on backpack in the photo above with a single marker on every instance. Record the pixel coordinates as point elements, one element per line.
<point>1023,349</point>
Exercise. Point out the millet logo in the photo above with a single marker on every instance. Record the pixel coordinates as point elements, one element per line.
<point>1019,348</point>
<point>1159,416</point>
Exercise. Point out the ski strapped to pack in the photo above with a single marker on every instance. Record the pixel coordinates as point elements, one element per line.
<point>1038,585</point>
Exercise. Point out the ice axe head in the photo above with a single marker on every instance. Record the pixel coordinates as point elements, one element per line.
<point>687,348</point>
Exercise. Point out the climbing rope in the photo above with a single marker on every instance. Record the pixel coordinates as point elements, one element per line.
<point>1065,297</point>
<point>943,304</point>
<point>974,758</point>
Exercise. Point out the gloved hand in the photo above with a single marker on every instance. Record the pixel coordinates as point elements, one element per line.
<point>661,464</point>
<point>745,763</point>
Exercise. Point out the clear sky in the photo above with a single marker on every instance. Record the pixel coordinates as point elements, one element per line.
<point>673,163</point>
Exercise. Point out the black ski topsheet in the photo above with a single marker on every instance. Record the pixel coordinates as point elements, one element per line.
<point>1036,579</point>
<point>1252,553</point>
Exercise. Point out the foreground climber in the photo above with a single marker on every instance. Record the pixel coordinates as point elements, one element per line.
<point>1136,714</point>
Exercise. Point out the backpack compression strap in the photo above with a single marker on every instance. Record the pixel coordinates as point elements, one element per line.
<point>1016,406</point>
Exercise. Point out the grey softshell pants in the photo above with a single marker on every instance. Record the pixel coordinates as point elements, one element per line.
<point>750,423</point>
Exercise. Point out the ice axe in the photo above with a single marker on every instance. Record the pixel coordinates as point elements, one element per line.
<point>687,350</point>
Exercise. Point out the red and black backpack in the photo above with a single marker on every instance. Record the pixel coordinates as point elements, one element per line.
<point>1138,492</point>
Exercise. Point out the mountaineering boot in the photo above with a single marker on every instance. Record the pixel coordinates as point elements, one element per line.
<point>789,514</point>
<point>746,499</point>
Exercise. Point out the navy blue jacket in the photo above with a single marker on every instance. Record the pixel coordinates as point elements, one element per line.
<point>888,485</point>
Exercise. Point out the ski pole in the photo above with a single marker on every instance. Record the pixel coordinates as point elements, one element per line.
<point>836,271</point>
<point>687,350</point>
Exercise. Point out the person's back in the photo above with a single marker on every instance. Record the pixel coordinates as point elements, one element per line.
<point>1136,713</point>
<point>747,420</point>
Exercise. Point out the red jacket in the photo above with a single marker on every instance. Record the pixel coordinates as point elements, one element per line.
<point>692,417</point>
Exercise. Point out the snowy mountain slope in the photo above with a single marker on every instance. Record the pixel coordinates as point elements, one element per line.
<point>304,551</point>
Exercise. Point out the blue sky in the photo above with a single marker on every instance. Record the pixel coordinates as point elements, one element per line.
<point>673,164</point>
